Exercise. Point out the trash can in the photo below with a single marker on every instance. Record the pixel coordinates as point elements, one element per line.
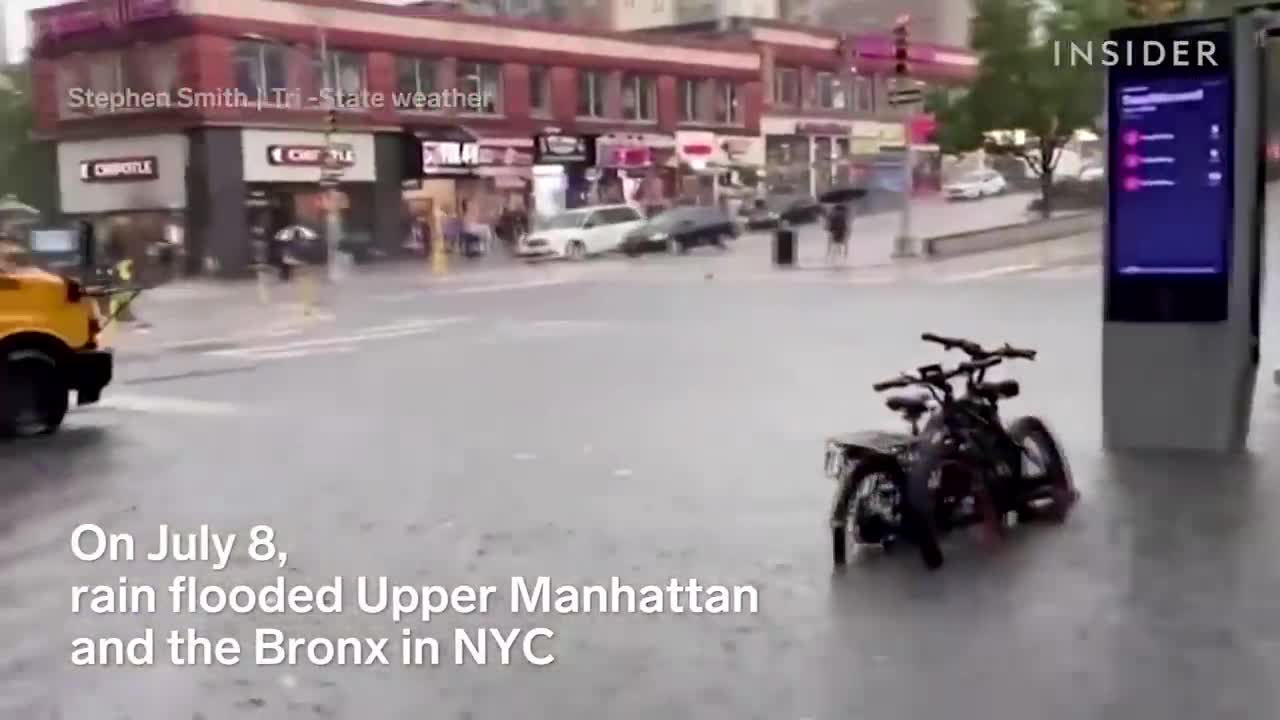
<point>784,247</point>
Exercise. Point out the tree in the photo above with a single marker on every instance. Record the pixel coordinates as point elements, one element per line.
<point>955,133</point>
<point>27,167</point>
<point>1020,86</point>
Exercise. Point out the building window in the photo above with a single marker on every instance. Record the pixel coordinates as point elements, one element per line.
<point>591,86</point>
<point>824,91</point>
<point>689,101</point>
<point>639,97</point>
<point>539,90</point>
<point>260,70</point>
<point>344,73</point>
<point>70,82</point>
<point>416,75</point>
<point>163,63</point>
<point>726,103</point>
<point>786,87</point>
<point>483,82</point>
<point>864,94</point>
<point>106,73</point>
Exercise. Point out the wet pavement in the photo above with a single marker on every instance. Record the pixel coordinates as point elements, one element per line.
<point>590,428</point>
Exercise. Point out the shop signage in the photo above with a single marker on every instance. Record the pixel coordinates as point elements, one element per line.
<point>447,156</point>
<point>504,156</point>
<point>736,147</point>
<point>624,156</point>
<point>814,128</point>
<point>118,169</point>
<point>870,137</point>
<point>561,149</point>
<point>89,17</point>
<point>311,155</point>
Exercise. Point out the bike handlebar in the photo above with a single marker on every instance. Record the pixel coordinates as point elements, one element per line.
<point>936,379</point>
<point>976,351</point>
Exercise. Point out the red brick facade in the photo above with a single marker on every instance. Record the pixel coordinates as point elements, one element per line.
<point>201,51</point>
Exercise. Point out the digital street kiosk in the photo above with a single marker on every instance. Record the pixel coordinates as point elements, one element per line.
<point>1184,238</point>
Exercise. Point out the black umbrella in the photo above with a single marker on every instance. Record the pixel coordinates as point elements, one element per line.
<point>837,196</point>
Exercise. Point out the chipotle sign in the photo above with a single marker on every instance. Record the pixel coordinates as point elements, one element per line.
<point>119,169</point>
<point>311,155</point>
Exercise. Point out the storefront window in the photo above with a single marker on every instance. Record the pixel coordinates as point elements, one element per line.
<point>417,75</point>
<point>726,103</point>
<point>483,80</point>
<point>786,87</point>
<point>822,165</point>
<point>259,69</point>
<point>639,97</point>
<point>787,161</point>
<point>591,94</point>
<point>539,90</point>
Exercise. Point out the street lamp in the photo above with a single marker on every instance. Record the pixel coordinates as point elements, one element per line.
<point>331,168</point>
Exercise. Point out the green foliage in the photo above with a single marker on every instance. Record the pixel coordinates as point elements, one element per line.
<point>1020,86</point>
<point>26,167</point>
<point>955,133</point>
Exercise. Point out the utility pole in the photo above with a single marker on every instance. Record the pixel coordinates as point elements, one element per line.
<point>331,168</point>
<point>904,244</point>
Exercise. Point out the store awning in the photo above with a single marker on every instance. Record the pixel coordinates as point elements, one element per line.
<point>500,139</point>
<point>502,148</point>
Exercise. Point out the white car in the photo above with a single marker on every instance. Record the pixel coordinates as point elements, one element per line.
<point>975,185</point>
<point>1091,173</point>
<point>575,234</point>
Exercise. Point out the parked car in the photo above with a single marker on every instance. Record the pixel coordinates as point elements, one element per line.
<point>794,208</point>
<point>575,234</point>
<point>1091,173</point>
<point>679,229</point>
<point>976,185</point>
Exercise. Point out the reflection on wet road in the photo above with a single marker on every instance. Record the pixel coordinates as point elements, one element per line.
<point>652,435</point>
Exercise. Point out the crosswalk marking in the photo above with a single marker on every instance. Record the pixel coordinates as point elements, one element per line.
<point>165,405</point>
<point>405,324</point>
<point>387,333</point>
<point>502,287</point>
<point>990,273</point>
<point>306,352</point>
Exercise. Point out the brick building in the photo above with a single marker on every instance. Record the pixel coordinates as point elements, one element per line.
<point>825,119</point>
<point>218,134</point>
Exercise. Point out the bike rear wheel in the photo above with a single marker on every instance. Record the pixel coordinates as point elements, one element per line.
<point>844,509</point>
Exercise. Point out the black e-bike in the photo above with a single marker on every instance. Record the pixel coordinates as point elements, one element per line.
<point>958,466</point>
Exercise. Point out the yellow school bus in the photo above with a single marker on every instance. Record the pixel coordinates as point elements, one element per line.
<point>49,334</point>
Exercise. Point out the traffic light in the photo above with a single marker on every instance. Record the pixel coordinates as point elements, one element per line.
<point>1156,9</point>
<point>900,44</point>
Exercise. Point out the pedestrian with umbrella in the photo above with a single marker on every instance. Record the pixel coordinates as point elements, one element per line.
<point>839,219</point>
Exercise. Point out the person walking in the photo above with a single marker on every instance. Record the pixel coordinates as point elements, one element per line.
<point>451,227</point>
<point>838,232</point>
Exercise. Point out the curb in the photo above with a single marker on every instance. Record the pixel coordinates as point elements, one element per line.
<point>1011,236</point>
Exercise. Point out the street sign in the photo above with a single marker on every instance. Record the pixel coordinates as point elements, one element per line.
<point>905,96</point>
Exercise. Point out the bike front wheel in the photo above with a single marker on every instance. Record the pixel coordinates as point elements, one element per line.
<point>1051,491</point>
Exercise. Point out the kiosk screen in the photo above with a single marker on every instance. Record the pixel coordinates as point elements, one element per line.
<point>1170,158</point>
